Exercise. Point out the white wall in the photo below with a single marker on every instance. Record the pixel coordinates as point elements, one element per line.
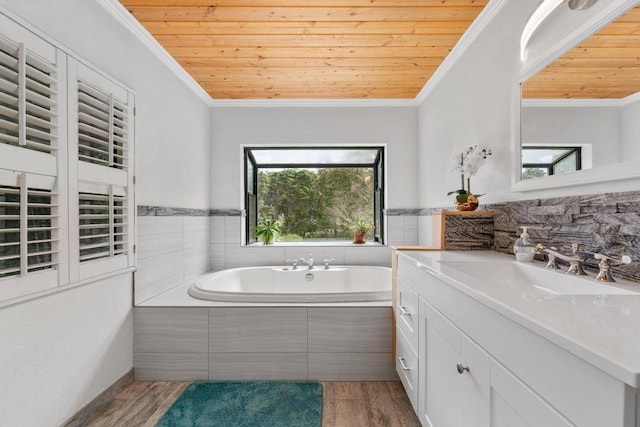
<point>473,104</point>
<point>598,126</point>
<point>233,126</point>
<point>631,130</point>
<point>59,352</point>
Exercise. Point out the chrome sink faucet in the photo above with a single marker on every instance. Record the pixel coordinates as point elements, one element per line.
<point>309,262</point>
<point>575,260</point>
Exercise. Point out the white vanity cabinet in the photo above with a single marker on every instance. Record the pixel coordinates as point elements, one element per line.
<point>464,386</point>
<point>478,367</point>
<point>455,385</point>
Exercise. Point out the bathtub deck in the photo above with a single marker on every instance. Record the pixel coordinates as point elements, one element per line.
<point>345,404</point>
<point>179,297</point>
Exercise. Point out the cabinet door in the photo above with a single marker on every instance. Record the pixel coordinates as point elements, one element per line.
<point>513,404</point>
<point>456,375</point>
<point>407,312</point>
<point>407,368</point>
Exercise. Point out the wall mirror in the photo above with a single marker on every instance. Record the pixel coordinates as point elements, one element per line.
<point>580,115</point>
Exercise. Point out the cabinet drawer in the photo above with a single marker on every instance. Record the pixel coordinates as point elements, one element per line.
<point>513,404</point>
<point>407,303</point>
<point>407,368</point>
<point>411,274</point>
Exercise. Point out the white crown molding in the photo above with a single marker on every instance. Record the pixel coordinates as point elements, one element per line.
<point>476,27</point>
<point>572,102</point>
<point>605,102</point>
<point>122,15</point>
<point>631,98</point>
<point>280,103</point>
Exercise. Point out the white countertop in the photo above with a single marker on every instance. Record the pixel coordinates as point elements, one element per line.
<point>602,329</point>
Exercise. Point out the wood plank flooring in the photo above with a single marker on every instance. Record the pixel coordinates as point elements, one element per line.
<point>346,404</point>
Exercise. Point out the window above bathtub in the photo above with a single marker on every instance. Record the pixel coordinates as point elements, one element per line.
<point>316,194</point>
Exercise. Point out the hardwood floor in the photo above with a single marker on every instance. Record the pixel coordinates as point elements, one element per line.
<point>345,404</point>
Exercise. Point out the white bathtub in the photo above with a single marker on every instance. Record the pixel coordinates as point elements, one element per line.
<point>273,284</point>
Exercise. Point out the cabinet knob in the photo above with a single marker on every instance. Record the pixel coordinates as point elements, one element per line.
<point>461,368</point>
<point>404,311</point>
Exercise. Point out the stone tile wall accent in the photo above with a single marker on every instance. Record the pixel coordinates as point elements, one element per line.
<point>168,211</point>
<point>608,223</point>
<point>468,232</point>
<point>402,212</point>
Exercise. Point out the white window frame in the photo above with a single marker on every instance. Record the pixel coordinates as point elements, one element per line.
<point>61,172</point>
<point>84,175</point>
<point>20,165</point>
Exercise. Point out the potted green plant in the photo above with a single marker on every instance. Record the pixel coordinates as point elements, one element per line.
<point>268,230</point>
<point>360,229</point>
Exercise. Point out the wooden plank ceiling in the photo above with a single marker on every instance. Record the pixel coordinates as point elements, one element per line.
<point>606,65</point>
<point>308,49</point>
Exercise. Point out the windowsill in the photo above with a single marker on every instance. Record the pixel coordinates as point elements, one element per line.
<point>317,244</point>
<point>63,288</point>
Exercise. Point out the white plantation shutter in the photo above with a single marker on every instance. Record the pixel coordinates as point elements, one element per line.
<point>31,175</point>
<point>103,123</point>
<point>28,99</point>
<point>66,167</point>
<point>29,233</point>
<point>103,223</point>
<point>100,128</point>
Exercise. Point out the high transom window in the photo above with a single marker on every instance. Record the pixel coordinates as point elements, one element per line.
<point>316,194</point>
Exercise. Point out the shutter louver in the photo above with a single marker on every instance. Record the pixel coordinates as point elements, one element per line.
<point>42,239</point>
<point>28,100</point>
<point>102,128</point>
<point>94,226</point>
<point>9,231</point>
<point>28,229</point>
<point>120,225</point>
<point>103,225</point>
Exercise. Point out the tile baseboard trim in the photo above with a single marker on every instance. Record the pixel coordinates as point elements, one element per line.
<point>100,402</point>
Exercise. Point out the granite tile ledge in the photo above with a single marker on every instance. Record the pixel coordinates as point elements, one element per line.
<point>171,211</point>
<point>225,212</point>
<point>401,212</point>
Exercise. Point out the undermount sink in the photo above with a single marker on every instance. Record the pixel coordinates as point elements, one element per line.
<point>535,278</point>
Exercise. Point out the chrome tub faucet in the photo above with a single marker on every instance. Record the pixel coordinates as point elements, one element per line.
<point>327,261</point>
<point>309,262</point>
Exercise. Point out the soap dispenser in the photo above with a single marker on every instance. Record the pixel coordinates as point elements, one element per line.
<point>523,247</point>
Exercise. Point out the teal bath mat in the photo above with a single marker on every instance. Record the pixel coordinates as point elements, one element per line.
<point>247,404</point>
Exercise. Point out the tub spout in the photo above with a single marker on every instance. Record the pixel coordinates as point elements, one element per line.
<point>309,262</point>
